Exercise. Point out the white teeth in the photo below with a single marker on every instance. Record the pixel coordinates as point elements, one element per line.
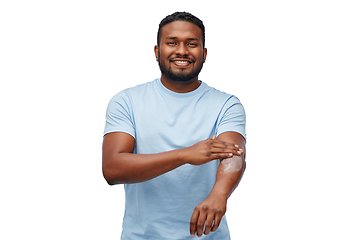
<point>181,61</point>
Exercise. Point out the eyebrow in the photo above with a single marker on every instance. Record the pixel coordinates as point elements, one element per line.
<point>191,39</point>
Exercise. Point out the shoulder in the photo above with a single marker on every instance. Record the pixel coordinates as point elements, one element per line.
<point>228,102</point>
<point>221,96</point>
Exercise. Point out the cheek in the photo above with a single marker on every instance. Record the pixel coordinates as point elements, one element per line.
<point>165,52</point>
<point>199,56</point>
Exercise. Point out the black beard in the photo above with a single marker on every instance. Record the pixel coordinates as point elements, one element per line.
<point>181,76</point>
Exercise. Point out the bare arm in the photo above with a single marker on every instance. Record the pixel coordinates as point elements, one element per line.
<point>228,176</point>
<point>231,169</point>
<point>120,165</point>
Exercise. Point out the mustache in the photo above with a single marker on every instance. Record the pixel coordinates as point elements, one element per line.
<point>186,58</point>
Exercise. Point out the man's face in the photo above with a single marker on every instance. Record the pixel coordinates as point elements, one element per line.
<point>180,52</point>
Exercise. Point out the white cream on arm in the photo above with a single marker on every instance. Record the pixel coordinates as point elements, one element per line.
<point>233,164</point>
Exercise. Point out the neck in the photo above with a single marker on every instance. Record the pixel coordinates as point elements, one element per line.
<point>180,87</point>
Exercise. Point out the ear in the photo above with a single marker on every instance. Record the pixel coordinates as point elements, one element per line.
<point>205,53</point>
<point>156,51</point>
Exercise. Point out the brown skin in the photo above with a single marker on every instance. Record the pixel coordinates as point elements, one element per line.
<point>179,41</point>
<point>213,208</point>
<point>121,166</point>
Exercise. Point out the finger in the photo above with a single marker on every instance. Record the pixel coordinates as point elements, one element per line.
<point>201,221</point>
<point>209,224</point>
<point>217,221</point>
<point>226,150</point>
<point>220,144</point>
<point>193,222</point>
<point>220,154</point>
<point>214,137</point>
<point>227,143</point>
<point>213,156</point>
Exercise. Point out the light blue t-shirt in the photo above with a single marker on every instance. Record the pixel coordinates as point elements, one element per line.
<point>162,120</point>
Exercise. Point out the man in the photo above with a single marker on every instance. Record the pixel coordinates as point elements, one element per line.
<point>175,143</point>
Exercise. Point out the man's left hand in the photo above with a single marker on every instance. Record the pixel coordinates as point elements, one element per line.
<point>209,214</point>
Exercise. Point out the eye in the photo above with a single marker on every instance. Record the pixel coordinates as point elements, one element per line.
<point>191,44</point>
<point>171,43</point>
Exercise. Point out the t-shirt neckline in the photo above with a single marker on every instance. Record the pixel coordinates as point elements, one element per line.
<point>176,94</point>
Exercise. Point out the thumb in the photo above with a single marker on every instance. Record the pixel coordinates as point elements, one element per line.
<point>214,137</point>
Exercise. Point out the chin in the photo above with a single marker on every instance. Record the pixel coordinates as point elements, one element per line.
<point>181,77</point>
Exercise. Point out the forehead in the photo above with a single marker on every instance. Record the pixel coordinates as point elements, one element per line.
<point>181,29</point>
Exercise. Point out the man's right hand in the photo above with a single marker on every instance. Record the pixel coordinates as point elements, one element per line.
<point>208,150</point>
<point>120,165</point>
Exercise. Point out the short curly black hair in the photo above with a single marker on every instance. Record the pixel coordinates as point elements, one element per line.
<point>182,16</point>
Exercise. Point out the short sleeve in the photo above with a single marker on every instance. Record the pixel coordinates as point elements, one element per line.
<point>232,117</point>
<point>119,115</point>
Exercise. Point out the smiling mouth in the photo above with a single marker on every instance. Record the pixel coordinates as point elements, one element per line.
<point>181,63</point>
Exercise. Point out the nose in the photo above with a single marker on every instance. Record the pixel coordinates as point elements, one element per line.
<point>182,49</point>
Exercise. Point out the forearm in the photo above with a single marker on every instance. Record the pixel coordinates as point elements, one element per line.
<point>212,209</point>
<point>120,165</point>
<point>229,174</point>
<point>125,168</point>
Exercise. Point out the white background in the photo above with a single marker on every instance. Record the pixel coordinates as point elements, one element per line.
<point>293,64</point>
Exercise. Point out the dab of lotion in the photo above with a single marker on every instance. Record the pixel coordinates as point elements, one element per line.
<point>232,164</point>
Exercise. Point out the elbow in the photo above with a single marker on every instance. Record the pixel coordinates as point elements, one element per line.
<point>109,179</point>
<point>110,183</point>
<point>111,176</point>
<point>115,171</point>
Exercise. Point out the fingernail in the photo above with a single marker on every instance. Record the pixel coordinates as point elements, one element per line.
<point>236,146</point>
